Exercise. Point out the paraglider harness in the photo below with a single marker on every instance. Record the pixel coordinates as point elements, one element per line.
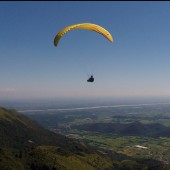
<point>91,79</point>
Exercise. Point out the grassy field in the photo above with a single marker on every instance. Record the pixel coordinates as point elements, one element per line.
<point>157,148</point>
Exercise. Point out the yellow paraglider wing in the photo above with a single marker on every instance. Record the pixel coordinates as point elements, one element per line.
<point>87,26</point>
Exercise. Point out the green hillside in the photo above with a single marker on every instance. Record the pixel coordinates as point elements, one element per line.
<point>19,132</point>
<point>25,145</point>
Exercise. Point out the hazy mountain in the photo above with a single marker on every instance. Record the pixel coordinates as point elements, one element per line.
<point>135,129</point>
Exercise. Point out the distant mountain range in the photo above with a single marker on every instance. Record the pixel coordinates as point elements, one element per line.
<point>25,145</point>
<point>131,129</point>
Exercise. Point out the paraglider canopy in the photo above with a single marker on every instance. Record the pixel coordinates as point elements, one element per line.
<point>87,26</point>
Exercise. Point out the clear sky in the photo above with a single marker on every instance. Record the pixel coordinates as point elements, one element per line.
<point>137,63</point>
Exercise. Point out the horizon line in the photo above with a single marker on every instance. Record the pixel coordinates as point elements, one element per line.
<point>92,107</point>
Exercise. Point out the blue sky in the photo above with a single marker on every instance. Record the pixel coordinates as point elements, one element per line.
<point>136,64</point>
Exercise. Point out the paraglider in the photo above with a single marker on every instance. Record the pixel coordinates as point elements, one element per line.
<point>91,79</point>
<point>87,26</point>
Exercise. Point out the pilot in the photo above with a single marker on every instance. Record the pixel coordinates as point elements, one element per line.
<point>91,79</point>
